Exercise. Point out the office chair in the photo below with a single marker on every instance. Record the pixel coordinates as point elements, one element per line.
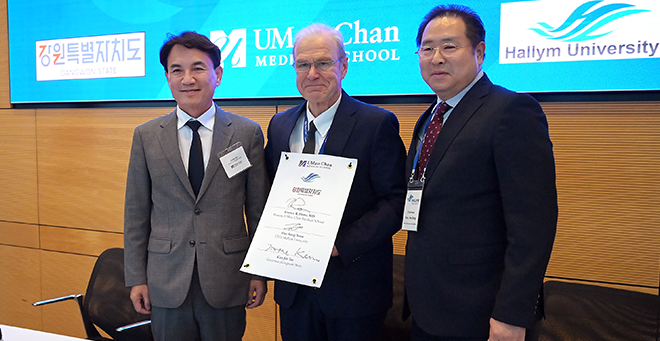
<point>106,302</point>
<point>585,312</point>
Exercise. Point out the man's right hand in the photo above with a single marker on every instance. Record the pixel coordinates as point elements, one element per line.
<point>140,298</point>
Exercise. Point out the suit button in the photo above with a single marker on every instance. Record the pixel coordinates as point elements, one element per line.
<point>192,243</point>
<point>198,211</point>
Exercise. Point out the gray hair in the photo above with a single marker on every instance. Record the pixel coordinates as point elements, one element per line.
<point>318,29</point>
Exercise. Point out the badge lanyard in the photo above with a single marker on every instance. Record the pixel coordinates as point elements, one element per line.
<point>413,201</point>
<point>414,194</point>
<point>413,198</point>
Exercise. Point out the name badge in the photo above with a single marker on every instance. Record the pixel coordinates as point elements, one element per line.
<point>234,160</point>
<point>413,203</point>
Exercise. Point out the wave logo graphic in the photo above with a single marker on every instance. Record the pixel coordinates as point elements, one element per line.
<point>310,178</point>
<point>585,20</point>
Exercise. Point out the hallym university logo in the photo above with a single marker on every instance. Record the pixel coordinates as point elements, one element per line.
<point>566,31</point>
<point>585,20</point>
<point>310,178</point>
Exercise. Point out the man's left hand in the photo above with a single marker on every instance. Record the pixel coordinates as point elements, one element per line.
<point>257,293</point>
<point>500,331</point>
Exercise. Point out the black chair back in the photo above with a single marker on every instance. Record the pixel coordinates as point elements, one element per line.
<point>107,303</point>
<point>588,312</point>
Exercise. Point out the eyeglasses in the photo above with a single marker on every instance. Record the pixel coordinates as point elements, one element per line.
<point>447,50</point>
<point>321,65</point>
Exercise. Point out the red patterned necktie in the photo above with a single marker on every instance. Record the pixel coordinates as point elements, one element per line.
<point>431,135</point>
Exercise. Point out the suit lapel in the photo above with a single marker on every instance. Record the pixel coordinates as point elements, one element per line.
<point>414,143</point>
<point>342,126</point>
<point>456,121</point>
<point>169,142</point>
<point>222,134</point>
<point>282,139</point>
<point>339,132</point>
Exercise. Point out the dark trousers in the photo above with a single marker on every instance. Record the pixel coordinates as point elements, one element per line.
<point>196,320</point>
<point>306,321</point>
<point>418,334</point>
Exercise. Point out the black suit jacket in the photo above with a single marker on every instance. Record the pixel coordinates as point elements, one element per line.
<point>488,215</point>
<point>359,281</point>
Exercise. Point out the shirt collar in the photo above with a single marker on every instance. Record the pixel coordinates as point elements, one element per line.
<point>453,102</point>
<point>324,120</point>
<point>206,119</point>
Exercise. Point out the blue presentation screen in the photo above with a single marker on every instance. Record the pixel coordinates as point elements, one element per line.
<point>108,50</point>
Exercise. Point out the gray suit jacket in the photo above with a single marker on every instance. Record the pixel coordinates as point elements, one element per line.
<point>166,228</point>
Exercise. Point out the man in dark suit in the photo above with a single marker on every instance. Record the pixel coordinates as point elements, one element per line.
<point>185,235</point>
<point>488,213</point>
<point>357,288</point>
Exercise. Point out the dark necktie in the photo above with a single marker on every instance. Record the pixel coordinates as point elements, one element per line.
<point>431,135</point>
<point>196,158</point>
<point>310,144</point>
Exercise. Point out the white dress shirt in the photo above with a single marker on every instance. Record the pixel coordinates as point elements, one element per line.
<point>185,134</point>
<point>322,123</point>
<point>453,102</point>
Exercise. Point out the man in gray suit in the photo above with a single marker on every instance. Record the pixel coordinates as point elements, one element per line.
<point>185,233</point>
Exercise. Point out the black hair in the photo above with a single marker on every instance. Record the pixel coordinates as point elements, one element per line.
<point>474,27</point>
<point>190,40</point>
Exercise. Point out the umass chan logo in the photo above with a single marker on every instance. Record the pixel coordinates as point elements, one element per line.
<point>588,21</point>
<point>232,45</point>
<point>272,46</point>
<point>310,178</point>
<point>314,164</point>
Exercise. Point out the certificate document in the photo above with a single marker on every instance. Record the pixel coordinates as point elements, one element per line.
<point>299,224</point>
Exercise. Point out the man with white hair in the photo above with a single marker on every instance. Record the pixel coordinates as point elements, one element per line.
<point>356,292</point>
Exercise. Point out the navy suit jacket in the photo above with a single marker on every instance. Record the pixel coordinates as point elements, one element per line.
<point>488,216</point>
<point>359,281</point>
